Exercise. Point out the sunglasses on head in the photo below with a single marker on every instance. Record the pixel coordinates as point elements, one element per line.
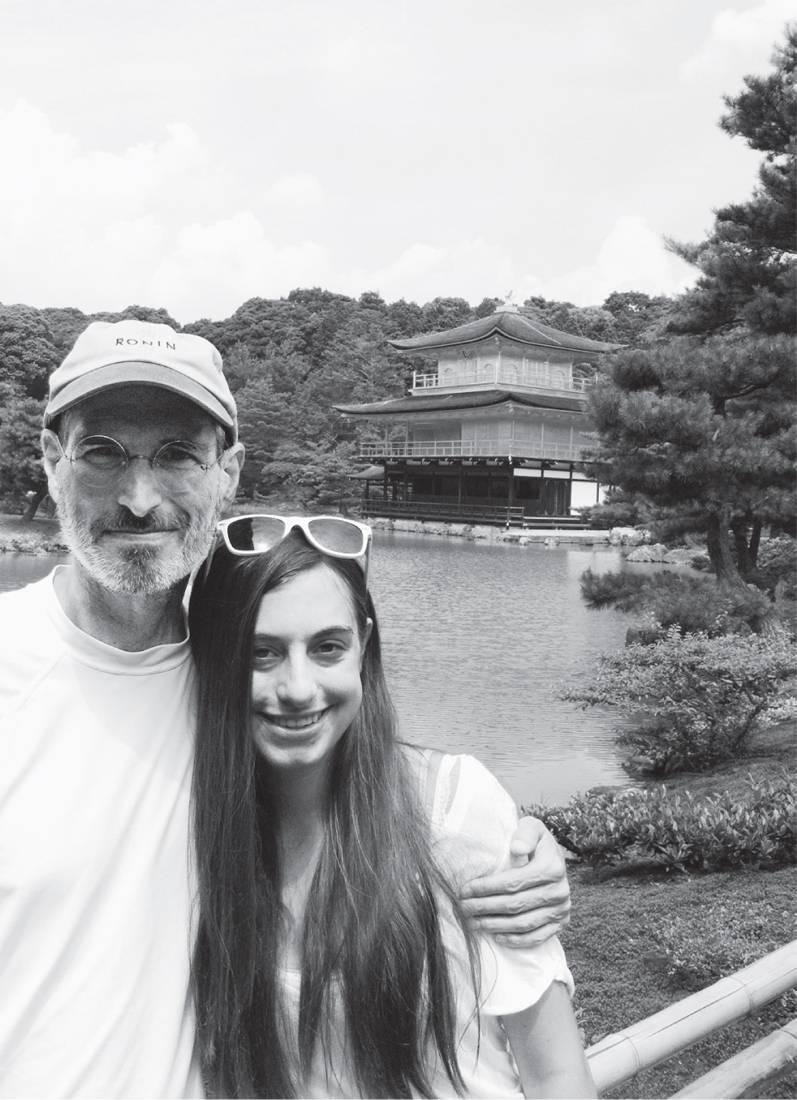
<point>246,536</point>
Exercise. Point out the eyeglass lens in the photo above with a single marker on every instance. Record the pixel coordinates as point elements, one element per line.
<point>256,533</point>
<point>337,534</point>
<point>100,454</point>
<point>100,459</point>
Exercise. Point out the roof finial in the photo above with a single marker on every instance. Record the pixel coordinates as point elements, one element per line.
<point>508,305</point>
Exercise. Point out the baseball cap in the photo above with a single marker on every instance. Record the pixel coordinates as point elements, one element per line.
<point>112,353</point>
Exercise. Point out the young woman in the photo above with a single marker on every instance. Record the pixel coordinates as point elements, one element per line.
<point>332,957</point>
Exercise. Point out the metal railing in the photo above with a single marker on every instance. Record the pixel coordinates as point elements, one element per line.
<point>460,448</point>
<point>617,1057</point>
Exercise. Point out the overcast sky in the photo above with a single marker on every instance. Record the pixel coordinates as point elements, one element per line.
<point>192,154</point>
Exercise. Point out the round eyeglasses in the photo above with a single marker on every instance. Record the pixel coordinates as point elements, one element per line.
<point>98,461</point>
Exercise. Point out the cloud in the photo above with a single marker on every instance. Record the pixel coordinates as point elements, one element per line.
<point>159,223</point>
<point>209,270</point>
<point>631,257</point>
<point>153,223</point>
<point>342,55</point>
<point>49,171</point>
<point>86,227</point>
<point>470,269</point>
<point>299,189</point>
<point>353,56</point>
<point>741,41</point>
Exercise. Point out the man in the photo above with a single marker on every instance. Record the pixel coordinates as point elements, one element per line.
<point>96,703</point>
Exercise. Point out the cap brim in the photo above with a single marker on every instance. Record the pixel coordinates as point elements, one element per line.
<point>146,374</point>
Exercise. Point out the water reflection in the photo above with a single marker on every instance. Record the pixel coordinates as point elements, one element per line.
<point>19,569</point>
<point>477,640</point>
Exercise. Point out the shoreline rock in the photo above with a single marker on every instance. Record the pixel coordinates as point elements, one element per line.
<point>473,532</point>
<point>32,544</point>
<point>658,552</point>
<point>628,536</point>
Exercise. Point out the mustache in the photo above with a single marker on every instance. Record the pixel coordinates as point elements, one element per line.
<point>127,521</point>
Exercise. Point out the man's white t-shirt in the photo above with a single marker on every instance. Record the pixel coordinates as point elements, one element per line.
<point>95,883</point>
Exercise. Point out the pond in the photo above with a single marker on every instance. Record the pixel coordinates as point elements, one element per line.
<point>477,641</point>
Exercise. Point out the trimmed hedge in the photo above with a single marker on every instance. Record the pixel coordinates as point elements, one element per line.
<point>654,828</point>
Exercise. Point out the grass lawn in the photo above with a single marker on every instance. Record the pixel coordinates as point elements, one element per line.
<point>637,943</point>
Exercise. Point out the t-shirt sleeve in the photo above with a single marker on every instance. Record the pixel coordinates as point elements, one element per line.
<point>473,821</point>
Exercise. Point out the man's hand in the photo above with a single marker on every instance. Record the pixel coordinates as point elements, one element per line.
<point>530,901</point>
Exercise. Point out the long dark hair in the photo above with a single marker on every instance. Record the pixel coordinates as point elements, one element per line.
<point>374,912</point>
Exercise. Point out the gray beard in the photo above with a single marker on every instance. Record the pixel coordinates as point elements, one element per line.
<point>142,571</point>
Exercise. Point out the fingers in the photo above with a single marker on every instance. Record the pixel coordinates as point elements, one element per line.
<point>526,837</point>
<point>523,910</point>
<point>520,880</point>
<point>527,929</point>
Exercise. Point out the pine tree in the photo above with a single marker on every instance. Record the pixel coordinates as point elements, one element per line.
<point>703,432</point>
<point>748,262</point>
<point>702,426</point>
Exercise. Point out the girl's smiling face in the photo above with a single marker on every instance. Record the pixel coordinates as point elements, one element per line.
<point>306,685</point>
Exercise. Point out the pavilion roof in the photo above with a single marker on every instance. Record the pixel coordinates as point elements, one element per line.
<point>507,323</point>
<point>466,400</point>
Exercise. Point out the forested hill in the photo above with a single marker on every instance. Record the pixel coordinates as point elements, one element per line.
<point>288,361</point>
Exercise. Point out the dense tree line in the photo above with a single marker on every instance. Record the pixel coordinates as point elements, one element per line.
<point>288,361</point>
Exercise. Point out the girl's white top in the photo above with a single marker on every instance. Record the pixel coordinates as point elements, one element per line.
<point>473,819</point>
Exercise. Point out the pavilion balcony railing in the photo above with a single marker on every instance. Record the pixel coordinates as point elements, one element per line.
<point>546,379</point>
<point>445,511</point>
<point>467,510</point>
<point>459,448</point>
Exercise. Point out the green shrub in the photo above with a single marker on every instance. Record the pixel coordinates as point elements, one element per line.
<point>702,607</point>
<point>622,513</point>
<point>695,604</point>
<point>690,701</point>
<point>616,510</point>
<point>651,827</point>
